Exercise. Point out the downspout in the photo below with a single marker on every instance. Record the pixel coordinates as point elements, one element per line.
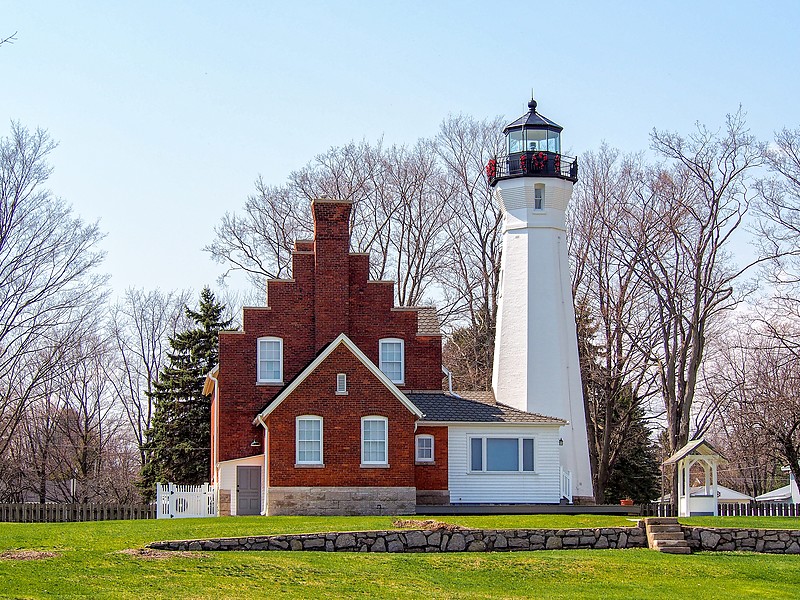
<point>215,445</point>
<point>449,374</point>
<point>260,420</point>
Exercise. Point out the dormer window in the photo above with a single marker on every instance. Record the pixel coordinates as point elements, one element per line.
<point>270,360</point>
<point>391,359</point>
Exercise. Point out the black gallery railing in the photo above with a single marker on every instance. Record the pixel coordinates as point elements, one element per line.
<point>544,164</point>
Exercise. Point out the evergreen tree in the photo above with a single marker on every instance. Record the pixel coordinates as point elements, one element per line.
<point>179,438</point>
<point>637,470</point>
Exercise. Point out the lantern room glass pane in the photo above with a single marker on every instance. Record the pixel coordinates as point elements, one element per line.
<point>554,141</point>
<point>515,141</point>
<point>535,140</point>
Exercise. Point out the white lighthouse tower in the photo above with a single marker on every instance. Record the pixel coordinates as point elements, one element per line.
<point>536,350</point>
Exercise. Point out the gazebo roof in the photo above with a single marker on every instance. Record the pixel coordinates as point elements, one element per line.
<point>695,447</point>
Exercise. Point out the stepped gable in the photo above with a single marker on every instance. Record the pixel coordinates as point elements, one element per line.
<point>329,293</point>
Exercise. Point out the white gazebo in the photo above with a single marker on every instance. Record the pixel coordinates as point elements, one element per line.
<point>693,502</point>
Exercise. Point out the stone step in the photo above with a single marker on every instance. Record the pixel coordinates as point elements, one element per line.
<point>664,528</point>
<point>668,535</point>
<point>658,544</point>
<point>676,550</point>
<point>661,520</point>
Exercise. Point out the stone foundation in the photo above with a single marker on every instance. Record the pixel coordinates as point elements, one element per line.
<point>433,497</point>
<point>341,501</point>
<point>439,540</point>
<point>718,539</point>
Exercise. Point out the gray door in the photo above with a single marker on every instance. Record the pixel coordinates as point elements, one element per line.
<point>248,490</point>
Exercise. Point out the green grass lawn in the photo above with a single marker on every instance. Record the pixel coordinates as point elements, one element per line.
<point>90,565</point>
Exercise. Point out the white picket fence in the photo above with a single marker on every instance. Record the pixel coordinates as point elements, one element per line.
<point>184,501</point>
<point>566,484</point>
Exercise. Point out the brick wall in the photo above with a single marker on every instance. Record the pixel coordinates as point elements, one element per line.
<point>341,434</point>
<point>433,476</point>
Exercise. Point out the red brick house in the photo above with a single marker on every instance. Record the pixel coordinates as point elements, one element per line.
<point>330,401</point>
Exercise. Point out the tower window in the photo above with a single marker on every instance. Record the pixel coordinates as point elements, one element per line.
<point>538,197</point>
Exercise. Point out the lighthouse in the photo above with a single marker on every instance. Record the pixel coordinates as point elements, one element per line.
<point>536,366</point>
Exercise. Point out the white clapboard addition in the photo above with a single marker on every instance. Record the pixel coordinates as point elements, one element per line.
<point>184,501</point>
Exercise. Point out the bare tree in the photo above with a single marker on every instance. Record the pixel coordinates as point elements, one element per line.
<point>9,39</point>
<point>612,304</point>
<point>399,207</point>
<point>259,242</point>
<point>686,219</point>
<point>141,325</point>
<point>471,282</point>
<point>756,388</point>
<point>778,229</point>
<point>48,278</point>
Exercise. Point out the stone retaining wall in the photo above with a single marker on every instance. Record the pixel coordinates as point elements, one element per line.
<point>420,540</point>
<point>717,539</point>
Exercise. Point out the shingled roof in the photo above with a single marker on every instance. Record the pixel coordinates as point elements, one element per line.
<point>443,407</point>
<point>427,321</point>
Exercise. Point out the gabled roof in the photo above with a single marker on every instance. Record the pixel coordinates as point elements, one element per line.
<point>341,340</point>
<point>782,494</point>
<point>698,446</point>
<point>441,407</point>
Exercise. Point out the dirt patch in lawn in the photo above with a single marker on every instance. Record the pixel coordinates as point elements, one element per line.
<point>431,524</point>
<point>26,555</point>
<point>150,554</point>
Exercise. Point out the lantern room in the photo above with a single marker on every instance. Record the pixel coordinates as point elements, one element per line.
<point>533,146</point>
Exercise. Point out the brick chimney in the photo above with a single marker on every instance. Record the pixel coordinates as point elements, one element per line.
<point>331,268</point>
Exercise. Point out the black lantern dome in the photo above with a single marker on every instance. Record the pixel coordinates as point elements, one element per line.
<point>533,146</point>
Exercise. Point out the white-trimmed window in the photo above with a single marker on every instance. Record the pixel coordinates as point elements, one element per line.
<point>501,454</point>
<point>391,359</point>
<point>341,384</point>
<point>309,440</point>
<point>424,451</point>
<point>374,436</point>
<point>538,197</point>
<point>270,360</point>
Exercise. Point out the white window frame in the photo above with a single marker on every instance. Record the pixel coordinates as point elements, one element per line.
<point>259,359</point>
<point>402,358</point>
<point>384,462</point>
<point>420,459</point>
<point>538,202</point>
<point>297,440</point>
<point>341,384</point>
<point>484,448</point>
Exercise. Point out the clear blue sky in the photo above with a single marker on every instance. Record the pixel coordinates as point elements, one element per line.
<point>167,111</point>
